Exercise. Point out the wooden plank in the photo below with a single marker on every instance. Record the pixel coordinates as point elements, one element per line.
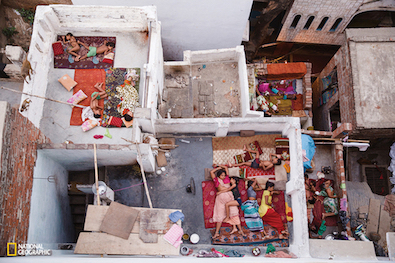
<point>95,216</point>
<point>119,220</point>
<point>153,222</point>
<point>102,243</point>
<point>373,216</point>
<point>384,226</point>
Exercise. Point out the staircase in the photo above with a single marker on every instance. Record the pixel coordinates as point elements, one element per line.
<point>79,201</point>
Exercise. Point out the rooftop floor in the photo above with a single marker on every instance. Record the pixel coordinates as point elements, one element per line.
<point>55,121</point>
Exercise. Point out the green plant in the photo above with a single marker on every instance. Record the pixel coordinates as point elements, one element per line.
<point>28,15</point>
<point>9,32</point>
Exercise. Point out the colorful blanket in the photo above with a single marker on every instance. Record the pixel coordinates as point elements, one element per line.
<point>86,79</point>
<point>209,194</point>
<point>251,215</point>
<point>251,238</point>
<point>114,78</point>
<point>65,60</point>
<point>226,148</point>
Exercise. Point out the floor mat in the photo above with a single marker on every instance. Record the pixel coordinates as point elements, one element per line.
<point>298,103</point>
<point>225,148</point>
<point>284,106</point>
<point>114,78</point>
<point>209,194</point>
<point>251,238</point>
<point>86,79</point>
<point>63,60</point>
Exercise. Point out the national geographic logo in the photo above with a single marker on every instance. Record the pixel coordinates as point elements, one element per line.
<point>27,250</point>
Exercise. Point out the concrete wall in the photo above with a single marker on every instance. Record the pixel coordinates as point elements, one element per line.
<point>50,218</point>
<point>372,58</point>
<point>80,157</point>
<point>193,25</point>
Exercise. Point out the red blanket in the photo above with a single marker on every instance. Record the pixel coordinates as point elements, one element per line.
<point>209,194</point>
<point>86,79</point>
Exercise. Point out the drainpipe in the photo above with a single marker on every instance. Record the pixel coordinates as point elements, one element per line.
<point>148,69</point>
<point>341,178</point>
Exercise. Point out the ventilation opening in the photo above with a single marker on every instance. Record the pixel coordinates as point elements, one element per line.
<point>308,23</point>
<point>335,25</point>
<point>377,178</point>
<point>295,21</point>
<point>322,24</point>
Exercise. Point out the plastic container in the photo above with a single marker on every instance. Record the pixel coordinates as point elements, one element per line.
<point>194,238</point>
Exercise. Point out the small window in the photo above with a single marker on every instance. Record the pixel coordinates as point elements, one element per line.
<point>295,21</point>
<point>336,24</point>
<point>322,24</point>
<point>308,23</point>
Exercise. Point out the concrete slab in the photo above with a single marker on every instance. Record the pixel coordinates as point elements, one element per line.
<point>342,250</point>
<point>391,245</point>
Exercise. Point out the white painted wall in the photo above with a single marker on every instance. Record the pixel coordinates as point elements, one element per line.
<point>50,218</point>
<point>193,25</point>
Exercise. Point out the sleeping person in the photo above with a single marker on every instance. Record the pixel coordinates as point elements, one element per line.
<point>256,163</point>
<point>220,176</point>
<point>106,48</point>
<point>250,207</point>
<point>96,96</point>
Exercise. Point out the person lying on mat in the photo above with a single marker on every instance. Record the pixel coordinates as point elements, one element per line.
<point>256,163</point>
<point>234,183</point>
<point>268,214</point>
<point>70,39</point>
<point>220,176</point>
<point>250,207</point>
<point>106,48</point>
<point>96,96</point>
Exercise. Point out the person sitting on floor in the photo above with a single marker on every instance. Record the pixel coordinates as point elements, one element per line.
<point>74,45</point>
<point>96,96</point>
<point>256,163</point>
<point>268,214</point>
<point>310,189</point>
<point>106,48</point>
<point>330,200</point>
<point>220,176</point>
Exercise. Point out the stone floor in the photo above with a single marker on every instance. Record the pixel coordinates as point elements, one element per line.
<point>201,91</point>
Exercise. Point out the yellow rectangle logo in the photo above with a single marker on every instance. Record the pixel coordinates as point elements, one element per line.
<point>11,249</point>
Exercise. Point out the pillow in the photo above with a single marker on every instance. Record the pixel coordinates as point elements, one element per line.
<point>67,82</point>
<point>109,58</point>
<point>89,124</point>
<point>115,121</point>
<point>77,97</point>
<point>280,172</point>
<point>255,147</point>
<point>247,156</point>
<point>239,158</point>
<point>234,172</point>
<point>57,48</point>
<point>264,87</point>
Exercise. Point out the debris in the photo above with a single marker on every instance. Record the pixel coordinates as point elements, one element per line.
<point>167,154</point>
<point>97,136</point>
<point>184,141</point>
<point>204,66</point>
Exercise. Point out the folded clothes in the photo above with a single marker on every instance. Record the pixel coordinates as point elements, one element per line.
<point>175,216</point>
<point>173,236</point>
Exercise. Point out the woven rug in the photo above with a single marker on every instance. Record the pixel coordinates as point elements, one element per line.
<point>251,238</point>
<point>284,106</point>
<point>114,78</point>
<point>209,194</point>
<point>86,79</point>
<point>62,61</point>
<point>225,148</point>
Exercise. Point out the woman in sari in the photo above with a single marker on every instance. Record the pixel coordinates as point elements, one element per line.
<point>330,200</point>
<point>220,176</point>
<point>268,214</point>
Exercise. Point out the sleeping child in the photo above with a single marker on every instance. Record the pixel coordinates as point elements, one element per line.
<point>106,48</point>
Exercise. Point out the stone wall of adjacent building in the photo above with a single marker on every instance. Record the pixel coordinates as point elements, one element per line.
<point>18,156</point>
<point>344,95</point>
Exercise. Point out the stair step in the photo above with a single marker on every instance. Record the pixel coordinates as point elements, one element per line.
<point>77,199</point>
<point>78,219</point>
<point>78,209</point>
